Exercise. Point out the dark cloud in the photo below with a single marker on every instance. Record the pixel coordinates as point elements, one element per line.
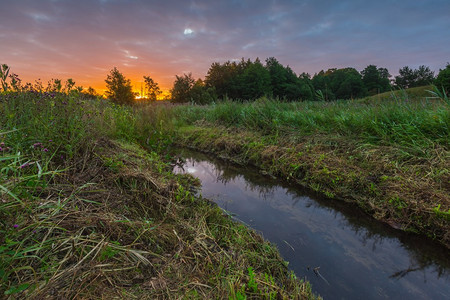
<point>84,39</point>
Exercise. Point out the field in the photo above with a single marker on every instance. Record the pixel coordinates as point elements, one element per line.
<point>90,209</point>
<point>388,153</point>
<point>89,205</point>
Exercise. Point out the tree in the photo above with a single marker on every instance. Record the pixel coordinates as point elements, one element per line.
<point>182,88</point>
<point>409,78</point>
<point>306,87</point>
<point>224,78</point>
<point>285,83</point>
<point>376,80</point>
<point>90,93</point>
<point>152,89</point>
<point>405,78</point>
<point>322,82</point>
<point>343,83</point>
<point>254,82</point>
<point>443,79</point>
<point>119,88</point>
<point>200,94</point>
<point>424,76</point>
<point>278,77</point>
<point>347,84</point>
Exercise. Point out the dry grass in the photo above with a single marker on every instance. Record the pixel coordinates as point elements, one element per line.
<point>411,195</point>
<point>117,224</point>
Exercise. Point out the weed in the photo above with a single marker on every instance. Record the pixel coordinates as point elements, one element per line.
<point>365,151</point>
<point>252,286</point>
<point>442,214</point>
<point>89,208</point>
<point>439,94</point>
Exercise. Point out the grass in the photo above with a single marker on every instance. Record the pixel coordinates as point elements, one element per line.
<point>90,209</point>
<point>412,126</point>
<point>387,153</point>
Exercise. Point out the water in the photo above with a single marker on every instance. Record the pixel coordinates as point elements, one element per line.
<point>358,257</point>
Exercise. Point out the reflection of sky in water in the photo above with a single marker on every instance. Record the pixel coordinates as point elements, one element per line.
<point>357,261</point>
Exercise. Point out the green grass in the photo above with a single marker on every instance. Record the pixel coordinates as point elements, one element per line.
<point>89,206</point>
<point>89,209</point>
<point>387,153</point>
<point>416,127</point>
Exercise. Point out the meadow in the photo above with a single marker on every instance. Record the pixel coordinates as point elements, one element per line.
<point>387,153</point>
<point>90,209</point>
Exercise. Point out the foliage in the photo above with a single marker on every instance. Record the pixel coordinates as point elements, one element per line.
<point>54,85</point>
<point>376,80</point>
<point>384,152</point>
<point>249,80</point>
<point>409,78</point>
<point>77,203</point>
<point>254,82</point>
<point>322,86</point>
<point>119,89</point>
<point>152,89</point>
<point>285,83</point>
<point>418,127</point>
<point>222,78</point>
<point>91,93</point>
<point>200,94</point>
<point>443,79</point>
<point>339,84</point>
<point>4,71</point>
<point>181,88</point>
<point>439,94</point>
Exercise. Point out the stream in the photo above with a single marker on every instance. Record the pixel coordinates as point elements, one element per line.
<point>342,252</point>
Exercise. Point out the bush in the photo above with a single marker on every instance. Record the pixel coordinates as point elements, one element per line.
<point>443,79</point>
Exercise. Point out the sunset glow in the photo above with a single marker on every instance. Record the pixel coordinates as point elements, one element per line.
<point>84,40</point>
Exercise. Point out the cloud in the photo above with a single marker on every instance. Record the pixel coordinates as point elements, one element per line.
<point>87,37</point>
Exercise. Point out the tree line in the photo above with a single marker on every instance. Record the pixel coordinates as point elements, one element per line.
<point>118,87</point>
<point>249,80</point>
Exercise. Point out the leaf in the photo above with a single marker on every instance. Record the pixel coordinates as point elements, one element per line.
<point>3,275</point>
<point>17,289</point>
<point>10,193</point>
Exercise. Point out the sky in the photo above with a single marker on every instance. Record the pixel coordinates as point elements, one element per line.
<point>85,39</point>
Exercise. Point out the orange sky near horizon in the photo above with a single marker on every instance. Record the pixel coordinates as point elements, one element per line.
<point>85,39</point>
<point>97,79</point>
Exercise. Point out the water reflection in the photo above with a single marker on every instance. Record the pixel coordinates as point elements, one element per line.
<point>342,252</point>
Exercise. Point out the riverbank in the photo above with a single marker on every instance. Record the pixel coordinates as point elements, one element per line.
<point>389,156</point>
<point>91,209</point>
<point>357,255</point>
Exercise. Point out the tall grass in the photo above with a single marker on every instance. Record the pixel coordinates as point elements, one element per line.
<point>414,125</point>
<point>85,212</point>
<point>42,136</point>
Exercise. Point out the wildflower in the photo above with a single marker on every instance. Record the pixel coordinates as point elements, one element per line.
<point>23,166</point>
<point>35,145</point>
<point>2,144</point>
<point>45,150</point>
<point>50,141</point>
<point>15,225</point>
<point>1,149</point>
